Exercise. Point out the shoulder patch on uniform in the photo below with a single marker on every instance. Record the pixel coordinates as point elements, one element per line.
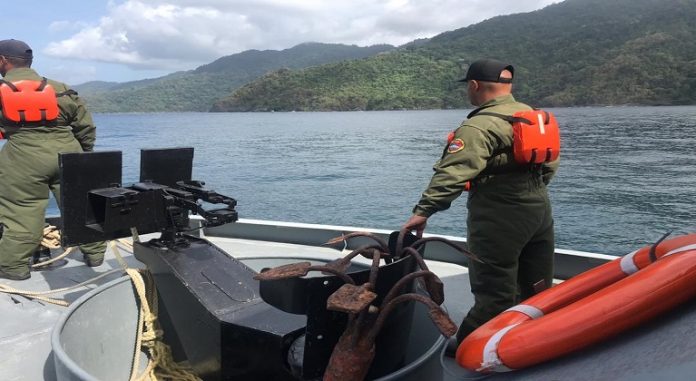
<point>455,145</point>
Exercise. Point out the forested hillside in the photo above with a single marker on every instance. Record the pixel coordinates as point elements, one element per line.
<point>196,90</point>
<point>574,53</point>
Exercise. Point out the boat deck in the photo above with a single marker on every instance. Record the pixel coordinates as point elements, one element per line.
<point>25,331</point>
<point>663,349</point>
<point>27,323</point>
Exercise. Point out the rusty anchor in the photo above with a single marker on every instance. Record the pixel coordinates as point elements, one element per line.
<point>355,350</point>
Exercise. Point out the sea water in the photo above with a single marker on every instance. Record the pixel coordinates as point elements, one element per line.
<point>627,174</point>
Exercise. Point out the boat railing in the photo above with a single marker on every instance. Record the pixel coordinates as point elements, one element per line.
<point>567,262</point>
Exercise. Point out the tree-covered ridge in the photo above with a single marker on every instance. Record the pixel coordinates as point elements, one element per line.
<point>388,81</point>
<point>196,90</point>
<point>579,52</point>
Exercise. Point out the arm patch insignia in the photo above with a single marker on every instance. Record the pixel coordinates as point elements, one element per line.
<point>455,145</point>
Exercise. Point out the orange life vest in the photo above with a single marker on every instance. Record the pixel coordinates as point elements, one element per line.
<point>536,136</point>
<point>28,102</point>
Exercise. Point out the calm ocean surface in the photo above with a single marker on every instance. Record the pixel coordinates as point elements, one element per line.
<point>627,175</point>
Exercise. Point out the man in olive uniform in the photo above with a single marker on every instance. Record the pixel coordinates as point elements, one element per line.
<point>509,225</point>
<point>29,158</point>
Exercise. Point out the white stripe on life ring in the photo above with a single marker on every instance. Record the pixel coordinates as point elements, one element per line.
<point>683,248</point>
<point>627,264</point>
<point>528,310</point>
<point>491,361</point>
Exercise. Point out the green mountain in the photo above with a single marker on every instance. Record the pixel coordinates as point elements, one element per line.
<point>196,90</point>
<point>574,53</point>
<point>95,87</point>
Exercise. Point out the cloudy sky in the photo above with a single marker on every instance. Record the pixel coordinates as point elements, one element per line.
<point>76,41</point>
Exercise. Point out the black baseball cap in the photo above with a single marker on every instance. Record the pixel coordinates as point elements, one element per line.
<point>488,70</point>
<point>15,48</point>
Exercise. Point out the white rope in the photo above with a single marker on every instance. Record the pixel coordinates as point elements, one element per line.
<point>51,240</point>
<point>161,365</point>
<point>117,254</point>
<point>40,295</point>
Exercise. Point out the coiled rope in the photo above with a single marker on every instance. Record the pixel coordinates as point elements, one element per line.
<point>161,365</point>
<point>51,240</point>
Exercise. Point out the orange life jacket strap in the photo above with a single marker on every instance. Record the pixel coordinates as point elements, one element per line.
<point>42,85</point>
<point>512,119</point>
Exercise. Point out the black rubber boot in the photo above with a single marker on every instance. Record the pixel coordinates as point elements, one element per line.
<point>93,262</point>
<point>43,254</point>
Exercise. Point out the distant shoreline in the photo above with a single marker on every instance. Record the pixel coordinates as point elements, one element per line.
<point>348,111</point>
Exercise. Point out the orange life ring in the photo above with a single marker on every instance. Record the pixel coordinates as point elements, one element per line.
<point>585,309</point>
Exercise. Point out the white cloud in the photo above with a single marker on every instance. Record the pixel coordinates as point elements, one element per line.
<point>72,74</point>
<point>180,34</point>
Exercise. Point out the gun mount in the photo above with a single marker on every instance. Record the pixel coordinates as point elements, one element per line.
<point>215,314</point>
<point>160,202</point>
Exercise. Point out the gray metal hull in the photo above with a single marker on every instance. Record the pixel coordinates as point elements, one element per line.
<point>94,339</point>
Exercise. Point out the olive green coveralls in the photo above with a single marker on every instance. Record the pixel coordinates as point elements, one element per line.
<point>29,169</point>
<point>509,225</point>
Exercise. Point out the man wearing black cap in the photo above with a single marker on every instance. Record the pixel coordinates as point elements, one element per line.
<point>39,118</point>
<point>509,225</point>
